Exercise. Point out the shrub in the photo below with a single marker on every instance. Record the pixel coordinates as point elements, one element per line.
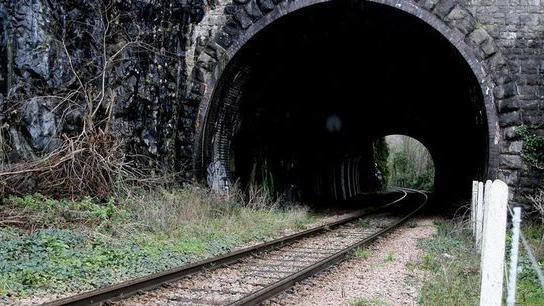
<point>533,146</point>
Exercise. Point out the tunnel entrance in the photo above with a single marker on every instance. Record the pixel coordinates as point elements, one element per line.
<point>302,107</point>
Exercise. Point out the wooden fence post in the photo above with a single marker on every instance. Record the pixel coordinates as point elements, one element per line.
<point>493,250</point>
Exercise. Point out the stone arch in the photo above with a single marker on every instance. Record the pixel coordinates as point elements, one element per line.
<point>246,18</point>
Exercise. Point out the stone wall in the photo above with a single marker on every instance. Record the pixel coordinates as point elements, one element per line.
<point>159,85</point>
<point>54,52</point>
<point>501,40</point>
<point>518,29</point>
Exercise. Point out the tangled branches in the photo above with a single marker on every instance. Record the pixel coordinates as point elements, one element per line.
<point>91,164</point>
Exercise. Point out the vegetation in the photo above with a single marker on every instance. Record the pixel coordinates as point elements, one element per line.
<point>367,302</point>
<point>362,253</point>
<point>409,163</point>
<point>390,257</point>
<point>537,201</point>
<point>51,246</point>
<point>529,290</point>
<point>533,146</point>
<point>453,267</point>
<point>382,156</point>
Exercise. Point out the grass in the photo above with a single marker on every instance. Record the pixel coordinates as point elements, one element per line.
<point>390,257</point>
<point>367,302</point>
<point>529,291</point>
<point>49,246</point>
<point>363,223</point>
<point>362,253</point>
<point>452,267</point>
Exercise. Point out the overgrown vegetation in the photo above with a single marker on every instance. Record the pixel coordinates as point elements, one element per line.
<point>409,163</point>
<point>382,156</point>
<point>537,201</point>
<point>533,146</point>
<point>88,158</point>
<point>51,246</point>
<point>529,290</point>
<point>452,266</point>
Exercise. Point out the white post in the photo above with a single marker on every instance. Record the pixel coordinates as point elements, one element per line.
<point>473,203</point>
<point>479,214</point>
<point>513,277</point>
<point>493,251</point>
<point>487,198</point>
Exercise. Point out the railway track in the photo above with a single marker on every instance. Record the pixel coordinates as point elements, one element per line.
<point>252,275</point>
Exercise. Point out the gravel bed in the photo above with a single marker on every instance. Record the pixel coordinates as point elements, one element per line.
<point>374,280</point>
<point>228,284</point>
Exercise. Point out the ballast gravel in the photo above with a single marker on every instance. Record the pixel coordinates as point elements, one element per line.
<point>382,277</point>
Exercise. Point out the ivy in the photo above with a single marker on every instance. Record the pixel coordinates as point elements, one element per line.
<point>533,146</point>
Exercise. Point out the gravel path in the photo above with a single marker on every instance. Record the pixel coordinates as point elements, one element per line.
<point>383,277</point>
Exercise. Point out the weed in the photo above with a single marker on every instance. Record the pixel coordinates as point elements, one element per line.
<point>533,146</point>
<point>453,267</point>
<point>362,253</point>
<point>529,291</point>
<point>390,257</point>
<point>362,223</point>
<point>61,245</point>
<point>537,201</point>
<point>367,302</point>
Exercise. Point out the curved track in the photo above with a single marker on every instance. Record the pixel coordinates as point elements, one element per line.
<point>252,275</point>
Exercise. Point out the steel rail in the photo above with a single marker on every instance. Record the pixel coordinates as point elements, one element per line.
<point>128,288</point>
<point>281,285</point>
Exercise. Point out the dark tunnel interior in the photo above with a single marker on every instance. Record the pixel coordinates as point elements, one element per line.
<point>301,106</point>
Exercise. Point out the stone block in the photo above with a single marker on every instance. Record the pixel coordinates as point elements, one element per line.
<point>505,90</point>
<point>510,177</point>
<point>224,40</point>
<point>478,36</point>
<point>428,4</point>
<point>513,147</point>
<point>252,10</point>
<point>509,119</point>
<point>507,161</point>
<point>507,104</point>
<point>266,5</point>
<point>510,133</point>
<point>444,7</point>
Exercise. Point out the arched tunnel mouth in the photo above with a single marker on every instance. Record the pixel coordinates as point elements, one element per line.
<point>303,106</point>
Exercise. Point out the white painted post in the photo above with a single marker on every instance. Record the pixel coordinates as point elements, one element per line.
<point>473,203</point>
<point>513,277</point>
<point>493,251</point>
<point>479,214</point>
<point>487,197</point>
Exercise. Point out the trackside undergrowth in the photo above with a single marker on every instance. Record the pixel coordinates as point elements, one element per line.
<point>452,267</point>
<point>56,246</point>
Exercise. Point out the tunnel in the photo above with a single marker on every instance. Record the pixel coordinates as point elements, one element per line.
<point>302,105</point>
